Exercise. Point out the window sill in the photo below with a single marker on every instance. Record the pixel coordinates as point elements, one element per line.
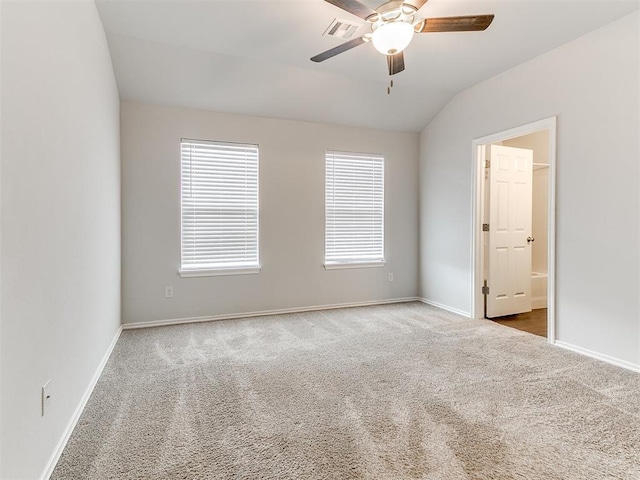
<point>218,272</point>
<point>341,266</point>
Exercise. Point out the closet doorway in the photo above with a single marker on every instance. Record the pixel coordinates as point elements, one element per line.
<point>514,228</point>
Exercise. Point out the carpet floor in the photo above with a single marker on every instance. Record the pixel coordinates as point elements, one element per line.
<point>396,392</point>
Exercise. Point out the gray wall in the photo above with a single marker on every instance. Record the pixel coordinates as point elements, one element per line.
<point>60,212</point>
<point>291,216</point>
<point>591,84</point>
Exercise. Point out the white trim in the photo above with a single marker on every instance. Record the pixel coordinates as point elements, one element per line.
<point>599,356</point>
<point>520,131</point>
<point>250,150</point>
<point>538,302</point>
<point>338,245</point>
<point>55,456</point>
<point>263,313</point>
<point>219,142</point>
<point>217,272</point>
<point>445,307</point>
<point>477,260</point>
<point>551,234</point>
<point>340,266</point>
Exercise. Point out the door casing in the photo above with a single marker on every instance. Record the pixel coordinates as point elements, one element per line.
<point>477,257</point>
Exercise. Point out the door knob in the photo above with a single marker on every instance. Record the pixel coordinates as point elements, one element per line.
<point>530,239</point>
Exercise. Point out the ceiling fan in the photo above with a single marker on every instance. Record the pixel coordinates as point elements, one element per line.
<point>393,25</point>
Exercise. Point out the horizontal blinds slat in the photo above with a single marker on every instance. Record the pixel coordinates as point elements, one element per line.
<point>204,243</point>
<point>219,184</point>
<point>218,265</point>
<point>354,188</point>
<point>213,241</point>
<point>201,196</point>
<point>221,252</point>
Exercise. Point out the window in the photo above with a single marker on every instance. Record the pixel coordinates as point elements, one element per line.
<point>354,217</point>
<point>219,199</point>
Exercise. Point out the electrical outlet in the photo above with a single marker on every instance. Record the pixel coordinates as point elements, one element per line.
<point>390,278</point>
<point>168,292</point>
<point>46,396</point>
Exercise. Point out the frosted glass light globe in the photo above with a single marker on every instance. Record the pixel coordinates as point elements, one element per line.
<point>393,37</point>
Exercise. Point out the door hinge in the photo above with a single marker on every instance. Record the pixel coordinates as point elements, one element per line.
<point>487,163</point>
<point>485,290</point>
<point>485,227</point>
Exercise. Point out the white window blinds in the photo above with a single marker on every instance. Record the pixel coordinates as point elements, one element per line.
<point>354,216</point>
<point>219,206</point>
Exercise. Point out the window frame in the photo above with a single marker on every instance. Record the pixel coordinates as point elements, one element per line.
<point>354,263</point>
<point>210,271</point>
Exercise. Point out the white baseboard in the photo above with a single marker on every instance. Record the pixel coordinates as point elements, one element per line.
<point>211,318</point>
<point>599,356</point>
<point>538,302</point>
<point>53,460</point>
<point>445,307</point>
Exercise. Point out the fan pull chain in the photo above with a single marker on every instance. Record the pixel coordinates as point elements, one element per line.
<point>390,87</point>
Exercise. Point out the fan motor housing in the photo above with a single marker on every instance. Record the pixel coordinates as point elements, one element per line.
<point>394,11</point>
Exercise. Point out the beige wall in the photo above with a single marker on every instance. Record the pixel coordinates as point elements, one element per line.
<point>539,143</point>
<point>60,213</point>
<point>291,216</point>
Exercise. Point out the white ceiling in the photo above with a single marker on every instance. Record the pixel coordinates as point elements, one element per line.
<point>252,56</point>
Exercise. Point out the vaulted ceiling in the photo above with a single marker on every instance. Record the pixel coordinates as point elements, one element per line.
<point>252,56</point>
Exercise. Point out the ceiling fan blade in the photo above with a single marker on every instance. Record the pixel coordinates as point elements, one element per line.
<point>321,57</point>
<point>395,63</point>
<point>354,7</point>
<point>416,3</point>
<point>474,23</point>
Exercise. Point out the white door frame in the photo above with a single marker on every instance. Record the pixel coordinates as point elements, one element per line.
<point>477,258</point>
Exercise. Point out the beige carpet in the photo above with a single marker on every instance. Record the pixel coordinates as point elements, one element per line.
<point>391,392</point>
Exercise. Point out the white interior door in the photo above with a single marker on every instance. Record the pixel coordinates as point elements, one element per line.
<point>510,197</point>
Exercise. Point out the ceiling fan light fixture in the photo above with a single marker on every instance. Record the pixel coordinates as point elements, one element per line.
<point>373,18</point>
<point>408,9</point>
<point>393,37</point>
